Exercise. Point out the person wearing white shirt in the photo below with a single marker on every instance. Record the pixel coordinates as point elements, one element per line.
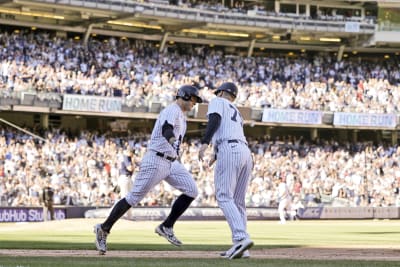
<point>285,200</point>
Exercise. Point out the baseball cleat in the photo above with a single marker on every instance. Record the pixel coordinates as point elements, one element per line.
<point>101,239</point>
<point>238,249</point>
<point>168,233</point>
<point>245,255</point>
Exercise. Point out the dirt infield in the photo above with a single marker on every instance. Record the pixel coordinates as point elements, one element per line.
<point>368,254</point>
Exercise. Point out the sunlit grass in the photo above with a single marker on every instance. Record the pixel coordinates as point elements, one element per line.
<point>77,234</point>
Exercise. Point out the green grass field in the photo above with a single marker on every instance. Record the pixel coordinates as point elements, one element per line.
<point>204,238</point>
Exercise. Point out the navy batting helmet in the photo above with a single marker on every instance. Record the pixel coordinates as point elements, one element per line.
<point>228,87</point>
<point>187,91</point>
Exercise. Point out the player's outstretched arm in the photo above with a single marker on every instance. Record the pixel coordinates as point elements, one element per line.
<point>214,121</point>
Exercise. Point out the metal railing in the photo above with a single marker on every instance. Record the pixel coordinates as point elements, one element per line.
<point>228,17</point>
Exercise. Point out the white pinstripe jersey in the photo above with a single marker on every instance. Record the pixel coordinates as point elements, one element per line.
<point>231,121</point>
<point>174,115</point>
<point>283,191</point>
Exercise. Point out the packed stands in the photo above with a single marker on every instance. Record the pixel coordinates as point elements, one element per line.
<point>84,170</point>
<point>138,72</point>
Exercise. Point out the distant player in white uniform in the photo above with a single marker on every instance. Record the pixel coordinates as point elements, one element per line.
<point>125,176</point>
<point>285,201</point>
<point>160,163</point>
<point>233,165</point>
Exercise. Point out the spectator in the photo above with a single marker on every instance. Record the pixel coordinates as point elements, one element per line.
<point>318,167</point>
<point>48,201</point>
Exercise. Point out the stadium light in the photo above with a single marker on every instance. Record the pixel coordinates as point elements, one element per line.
<point>134,24</point>
<point>31,14</point>
<point>305,38</point>
<point>325,39</point>
<point>206,32</point>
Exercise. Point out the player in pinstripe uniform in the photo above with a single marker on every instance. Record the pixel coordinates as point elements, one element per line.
<point>125,175</point>
<point>160,163</point>
<point>233,165</point>
<point>285,200</point>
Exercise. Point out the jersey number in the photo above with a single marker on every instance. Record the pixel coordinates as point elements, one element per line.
<point>235,114</point>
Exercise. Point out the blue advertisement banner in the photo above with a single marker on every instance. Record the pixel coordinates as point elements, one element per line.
<point>364,119</point>
<point>292,116</point>
<point>28,214</point>
<point>310,212</point>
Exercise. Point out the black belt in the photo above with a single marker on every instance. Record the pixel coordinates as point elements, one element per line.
<point>237,141</point>
<point>165,156</point>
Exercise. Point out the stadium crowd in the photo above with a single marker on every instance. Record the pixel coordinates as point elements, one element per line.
<point>84,170</point>
<point>137,71</point>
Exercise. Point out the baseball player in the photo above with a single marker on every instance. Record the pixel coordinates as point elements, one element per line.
<point>125,175</point>
<point>285,200</point>
<point>233,165</point>
<point>160,163</point>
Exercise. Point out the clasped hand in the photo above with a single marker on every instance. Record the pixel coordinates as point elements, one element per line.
<point>202,152</point>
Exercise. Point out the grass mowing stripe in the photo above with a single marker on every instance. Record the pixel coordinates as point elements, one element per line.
<point>167,262</point>
<point>77,234</point>
<point>197,236</point>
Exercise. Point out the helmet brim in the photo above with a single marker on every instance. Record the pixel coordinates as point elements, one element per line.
<point>217,91</point>
<point>198,99</point>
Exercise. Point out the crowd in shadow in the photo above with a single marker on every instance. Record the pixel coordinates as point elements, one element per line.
<point>84,170</point>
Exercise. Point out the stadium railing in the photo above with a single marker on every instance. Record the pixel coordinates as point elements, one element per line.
<point>230,17</point>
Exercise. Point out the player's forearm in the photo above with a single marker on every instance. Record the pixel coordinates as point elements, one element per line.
<point>168,132</point>
<point>214,121</point>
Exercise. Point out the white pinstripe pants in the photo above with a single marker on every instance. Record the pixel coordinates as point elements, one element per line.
<point>154,169</point>
<point>232,173</point>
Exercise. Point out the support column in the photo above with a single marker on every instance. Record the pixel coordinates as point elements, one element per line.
<point>44,121</point>
<point>163,41</point>
<point>354,136</point>
<point>342,135</point>
<point>362,15</point>
<point>268,131</point>
<point>340,52</point>
<point>308,10</point>
<point>277,7</point>
<point>87,34</point>
<point>314,133</point>
<point>251,48</point>
<point>395,136</point>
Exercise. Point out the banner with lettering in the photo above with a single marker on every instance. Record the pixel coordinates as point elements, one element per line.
<point>295,116</point>
<point>91,103</point>
<point>364,119</point>
<point>22,214</point>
